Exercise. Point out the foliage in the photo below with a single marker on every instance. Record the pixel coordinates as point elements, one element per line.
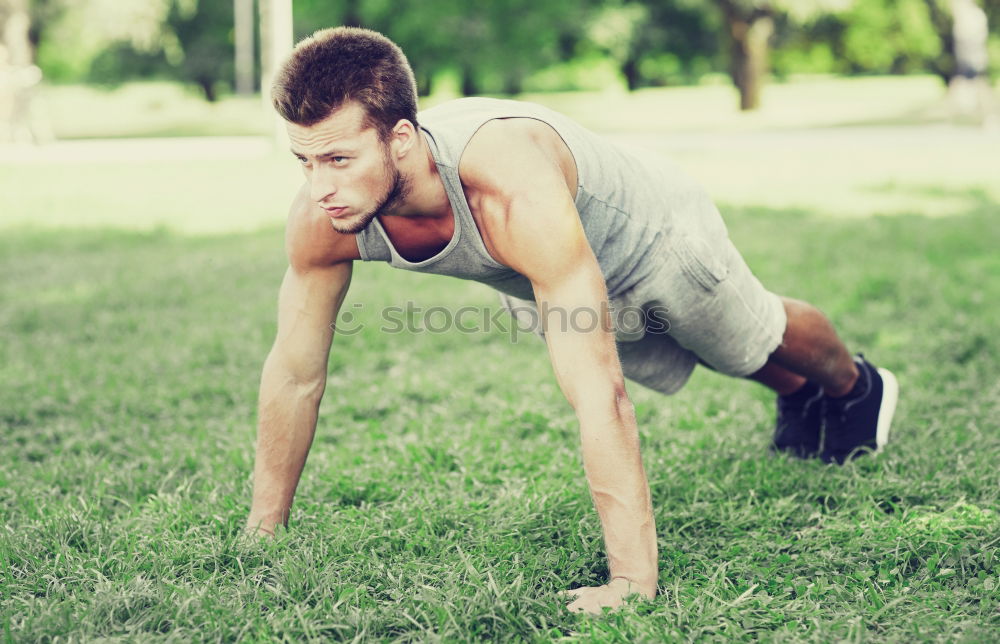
<point>500,45</point>
<point>204,29</point>
<point>883,36</point>
<point>72,34</point>
<point>655,42</point>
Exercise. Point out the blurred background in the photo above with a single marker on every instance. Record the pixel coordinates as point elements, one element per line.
<point>728,86</point>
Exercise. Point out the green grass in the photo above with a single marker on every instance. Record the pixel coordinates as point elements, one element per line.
<point>444,497</point>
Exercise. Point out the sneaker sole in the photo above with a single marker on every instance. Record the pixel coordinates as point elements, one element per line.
<point>890,396</point>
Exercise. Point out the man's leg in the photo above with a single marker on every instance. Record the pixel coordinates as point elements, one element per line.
<point>829,404</point>
<point>809,350</point>
<point>822,389</point>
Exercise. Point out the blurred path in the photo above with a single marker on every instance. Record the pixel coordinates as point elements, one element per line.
<point>902,135</point>
<point>851,171</point>
<point>205,148</point>
<point>253,147</point>
<point>220,184</point>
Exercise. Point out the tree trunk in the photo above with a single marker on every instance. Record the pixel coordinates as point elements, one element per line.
<point>207,86</point>
<point>424,82</point>
<point>630,69</point>
<point>470,87</point>
<point>750,32</point>
<point>513,82</point>
<point>352,14</point>
<point>750,57</point>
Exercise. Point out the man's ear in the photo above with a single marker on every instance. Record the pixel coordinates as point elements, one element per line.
<point>403,139</point>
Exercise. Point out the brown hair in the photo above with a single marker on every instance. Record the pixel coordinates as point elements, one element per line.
<point>334,66</point>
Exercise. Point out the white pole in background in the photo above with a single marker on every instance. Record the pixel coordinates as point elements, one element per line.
<point>277,36</point>
<point>243,31</point>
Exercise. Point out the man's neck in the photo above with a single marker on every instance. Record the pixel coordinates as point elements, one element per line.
<point>427,196</point>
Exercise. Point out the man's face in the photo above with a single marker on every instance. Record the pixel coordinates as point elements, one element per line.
<point>350,171</point>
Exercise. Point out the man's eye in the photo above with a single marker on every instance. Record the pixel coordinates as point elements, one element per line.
<point>303,160</point>
<point>339,160</point>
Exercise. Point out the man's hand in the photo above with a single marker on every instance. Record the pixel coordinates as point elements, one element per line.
<point>259,528</point>
<point>592,599</point>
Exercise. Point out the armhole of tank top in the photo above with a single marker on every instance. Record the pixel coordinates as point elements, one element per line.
<point>532,117</point>
<point>362,249</point>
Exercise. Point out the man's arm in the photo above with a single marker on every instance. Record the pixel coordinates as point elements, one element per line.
<point>532,225</point>
<point>294,374</point>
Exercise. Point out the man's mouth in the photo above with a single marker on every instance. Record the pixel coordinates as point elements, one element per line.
<point>335,212</point>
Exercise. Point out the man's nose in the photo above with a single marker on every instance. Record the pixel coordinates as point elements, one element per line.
<point>321,185</point>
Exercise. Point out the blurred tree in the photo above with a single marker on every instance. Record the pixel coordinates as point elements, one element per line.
<point>653,41</point>
<point>939,14</point>
<point>72,34</point>
<point>204,29</point>
<point>492,45</point>
<point>624,31</point>
<point>527,36</point>
<point>890,36</point>
<point>750,25</point>
<point>111,41</point>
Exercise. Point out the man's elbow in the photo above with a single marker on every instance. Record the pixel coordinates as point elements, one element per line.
<point>310,388</point>
<point>609,401</point>
<point>300,381</point>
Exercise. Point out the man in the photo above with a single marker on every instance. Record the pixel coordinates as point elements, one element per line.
<point>523,199</point>
<point>970,86</point>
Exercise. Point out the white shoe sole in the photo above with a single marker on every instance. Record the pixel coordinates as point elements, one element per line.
<point>890,396</point>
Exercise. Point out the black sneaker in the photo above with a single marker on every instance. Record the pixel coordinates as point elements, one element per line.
<point>859,422</point>
<point>797,427</point>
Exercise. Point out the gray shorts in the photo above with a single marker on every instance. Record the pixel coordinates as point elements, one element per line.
<point>700,301</point>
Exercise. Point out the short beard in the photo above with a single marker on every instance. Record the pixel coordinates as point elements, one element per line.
<point>393,197</point>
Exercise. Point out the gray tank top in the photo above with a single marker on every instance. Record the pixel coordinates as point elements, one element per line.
<point>628,201</point>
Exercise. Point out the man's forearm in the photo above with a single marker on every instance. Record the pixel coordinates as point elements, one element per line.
<point>620,491</point>
<point>286,426</point>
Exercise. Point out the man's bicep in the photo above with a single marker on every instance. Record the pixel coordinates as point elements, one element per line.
<point>537,231</point>
<point>553,252</point>
<point>308,303</point>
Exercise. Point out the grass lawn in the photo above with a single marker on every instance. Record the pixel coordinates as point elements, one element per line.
<point>444,497</point>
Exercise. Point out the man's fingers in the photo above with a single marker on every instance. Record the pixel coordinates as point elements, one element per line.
<point>593,599</point>
<point>574,592</point>
<point>589,605</point>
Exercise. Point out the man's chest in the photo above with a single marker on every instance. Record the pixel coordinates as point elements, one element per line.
<point>417,239</point>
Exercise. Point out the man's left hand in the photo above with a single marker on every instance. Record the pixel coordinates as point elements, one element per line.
<point>592,599</point>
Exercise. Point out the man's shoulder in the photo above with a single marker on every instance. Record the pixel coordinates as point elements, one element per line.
<point>467,115</point>
<point>502,153</point>
<point>468,104</point>
<point>311,241</point>
<point>516,155</point>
